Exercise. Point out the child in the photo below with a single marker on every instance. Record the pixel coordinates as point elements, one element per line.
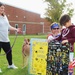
<point>67,34</point>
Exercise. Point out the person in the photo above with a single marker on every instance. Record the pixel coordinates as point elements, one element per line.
<point>55,31</point>
<point>67,35</point>
<point>4,39</point>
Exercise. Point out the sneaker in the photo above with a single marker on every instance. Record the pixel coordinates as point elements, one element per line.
<point>12,66</point>
<point>0,71</point>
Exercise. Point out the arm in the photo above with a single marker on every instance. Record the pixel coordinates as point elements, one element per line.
<point>71,40</point>
<point>59,38</point>
<point>15,29</point>
<point>50,38</point>
<point>72,37</point>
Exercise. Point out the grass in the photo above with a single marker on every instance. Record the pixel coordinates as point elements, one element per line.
<point>17,56</point>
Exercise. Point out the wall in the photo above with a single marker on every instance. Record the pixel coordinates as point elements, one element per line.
<point>34,24</point>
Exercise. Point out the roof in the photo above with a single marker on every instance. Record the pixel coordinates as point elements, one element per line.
<point>19,7</point>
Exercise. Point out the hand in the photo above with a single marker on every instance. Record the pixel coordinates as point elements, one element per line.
<point>48,41</point>
<point>19,30</point>
<point>64,41</point>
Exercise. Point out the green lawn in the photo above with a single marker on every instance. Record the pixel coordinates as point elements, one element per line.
<point>17,56</point>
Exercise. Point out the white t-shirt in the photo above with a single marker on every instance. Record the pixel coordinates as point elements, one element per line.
<point>4,27</point>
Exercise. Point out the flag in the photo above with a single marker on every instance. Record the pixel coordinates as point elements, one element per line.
<point>73,63</point>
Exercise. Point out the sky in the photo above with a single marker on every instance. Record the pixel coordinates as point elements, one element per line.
<point>37,6</point>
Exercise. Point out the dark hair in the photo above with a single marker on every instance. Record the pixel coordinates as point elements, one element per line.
<point>65,18</point>
<point>1,4</point>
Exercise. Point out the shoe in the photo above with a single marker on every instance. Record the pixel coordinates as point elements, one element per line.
<point>12,66</point>
<point>0,71</point>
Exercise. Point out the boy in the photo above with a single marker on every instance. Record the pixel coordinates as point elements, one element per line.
<point>67,34</point>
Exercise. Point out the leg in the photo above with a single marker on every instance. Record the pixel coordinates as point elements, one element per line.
<point>7,49</point>
<point>71,56</point>
<point>0,51</point>
<point>0,71</point>
<point>70,68</point>
<point>23,61</point>
<point>0,46</point>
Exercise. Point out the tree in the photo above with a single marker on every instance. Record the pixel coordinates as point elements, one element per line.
<point>56,8</point>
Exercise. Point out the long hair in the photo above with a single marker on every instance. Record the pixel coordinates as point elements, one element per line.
<point>1,4</point>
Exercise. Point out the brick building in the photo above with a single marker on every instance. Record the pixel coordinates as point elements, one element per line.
<point>30,22</point>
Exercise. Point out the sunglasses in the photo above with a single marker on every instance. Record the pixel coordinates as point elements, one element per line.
<point>55,28</point>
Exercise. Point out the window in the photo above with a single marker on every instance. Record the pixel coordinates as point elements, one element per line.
<point>16,26</point>
<point>24,28</point>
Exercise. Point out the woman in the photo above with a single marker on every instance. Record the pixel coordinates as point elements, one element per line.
<point>55,31</point>
<point>4,39</point>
